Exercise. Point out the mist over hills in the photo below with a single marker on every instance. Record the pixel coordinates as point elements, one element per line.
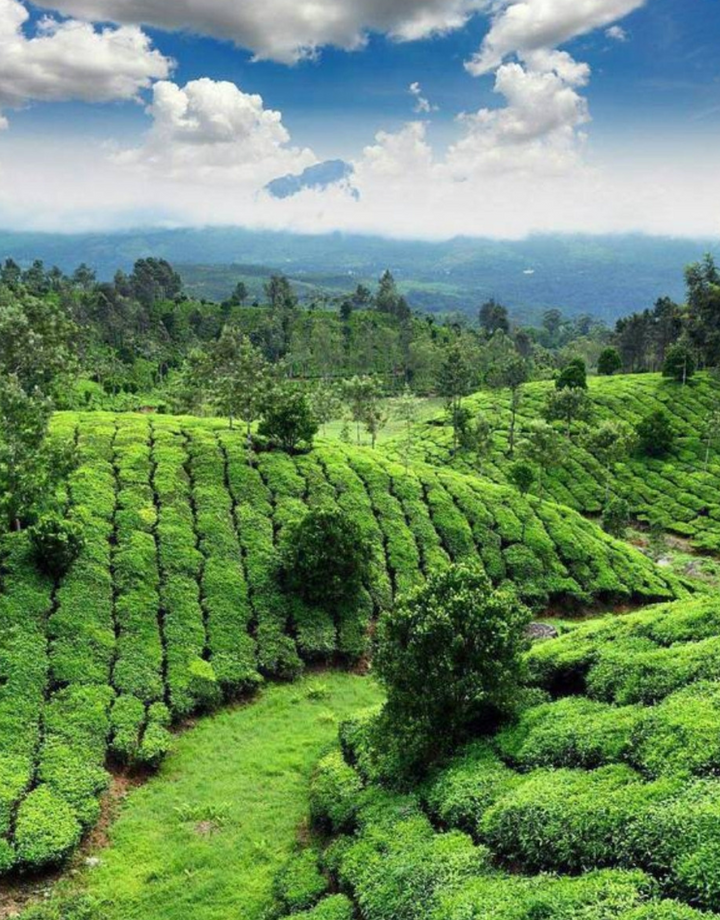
<point>607,276</point>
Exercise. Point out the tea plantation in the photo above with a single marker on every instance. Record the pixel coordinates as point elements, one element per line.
<point>681,488</point>
<point>174,603</point>
<point>600,800</point>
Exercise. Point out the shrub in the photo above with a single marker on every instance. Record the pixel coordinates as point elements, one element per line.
<point>325,557</point>
<point>46,831</point>
<point>573,377</point>
<point>655,434</point>
<point>56,544</point>
<point>288,420</point>
<point>334,793</point>
<point>460,794</point>
<point>574,732</point>
<point>299,885</point>
<point>681,734</point>
<point>449,656</point>
<point>567,820</point>
<point>336,907</point>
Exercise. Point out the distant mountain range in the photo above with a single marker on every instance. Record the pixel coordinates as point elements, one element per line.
<point>607,276</point>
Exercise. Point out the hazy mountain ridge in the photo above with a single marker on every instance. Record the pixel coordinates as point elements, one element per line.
<point>608,276</point>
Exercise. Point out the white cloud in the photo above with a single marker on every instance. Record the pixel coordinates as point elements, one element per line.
<point>423,106</point>
<point>284,30</point>
<point>537,128</point>
<point>530,25</point>
<point>72,60</point>
<point>404,154</point>
<point>617,34</point>
<point>210,131</point>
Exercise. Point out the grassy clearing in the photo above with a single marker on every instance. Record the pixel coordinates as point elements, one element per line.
<point>204,837</point>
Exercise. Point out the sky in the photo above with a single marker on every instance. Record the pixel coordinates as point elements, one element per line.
<point>493,118</point>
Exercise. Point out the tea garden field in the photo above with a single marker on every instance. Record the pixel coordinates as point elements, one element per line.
<point>598,802</point>
<point>681,488</point>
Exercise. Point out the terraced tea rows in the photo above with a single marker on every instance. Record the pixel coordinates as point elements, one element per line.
<point>174,603</point>
<point>611,783</point>
<point>679,487</point>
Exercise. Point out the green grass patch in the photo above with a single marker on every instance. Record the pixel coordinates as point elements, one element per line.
<point>206,836</point>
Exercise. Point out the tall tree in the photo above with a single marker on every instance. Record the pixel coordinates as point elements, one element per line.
<point>455,382</point>
<point>703,297</point>
<point>494,318</point>
<point>568,406</point>
<point>511,375</point>
<point>236,378</point>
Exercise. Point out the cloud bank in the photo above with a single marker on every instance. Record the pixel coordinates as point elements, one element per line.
<point>284,30</point>
<point>72,60</point>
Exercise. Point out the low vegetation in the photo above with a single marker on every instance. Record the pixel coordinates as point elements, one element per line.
<point>598,798</point>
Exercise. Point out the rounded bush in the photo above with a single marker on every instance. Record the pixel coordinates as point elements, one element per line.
<point>46,831</point>
<point>334,793</point>
<point>299,885</point>
<point>56,544</point>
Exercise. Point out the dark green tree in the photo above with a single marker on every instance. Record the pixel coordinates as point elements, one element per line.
<point>679,363</point>
<point>325,558</point>
<point>609,362</point>
<point>287,419</point>
<point>455,382</point>
<point>512,375</point>
<point>542,446</point>
<point>449,656</point>
<point>573,376</point>
<point>494,318</point>
<point>616,517</point>
<point>655,434</point>
<point>568,406</point>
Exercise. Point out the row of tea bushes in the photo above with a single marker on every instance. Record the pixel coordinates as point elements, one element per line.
<point>679,487</point>
<point>175,603</point>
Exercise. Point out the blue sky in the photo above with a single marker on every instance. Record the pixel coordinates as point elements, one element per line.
<point>645,102</point>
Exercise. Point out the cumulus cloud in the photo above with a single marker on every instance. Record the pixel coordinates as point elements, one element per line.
<point>536,129</point>
<point>531,25</point>
<point>539,128</point>
<point>210,131</point>
<point>72,60</point>
<point>284,30</point>
<point>404,153</point>
<point>423,106</point>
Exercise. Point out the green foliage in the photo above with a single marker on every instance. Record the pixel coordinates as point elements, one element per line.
<point>300,885</point>
<point>57,542</point>
<point>573,377</point>
<point>336,907</point>
<point>46,831</point>
<point>334,794</point>
<point>609,362</point>
<point>616,517</point>
<point>449,658</point>
<point>679,363</point>
<point>522,476</point>
<point>288,421</point>
<point>655,434</point>
<point>325,558</point>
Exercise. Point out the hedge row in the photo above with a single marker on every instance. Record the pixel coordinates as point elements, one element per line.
<point>174,601</point>
<point>393,864</point>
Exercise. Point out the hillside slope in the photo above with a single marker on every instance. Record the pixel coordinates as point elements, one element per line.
<point>174,604</point>
<point>598,801</point>
<point>677,486</point>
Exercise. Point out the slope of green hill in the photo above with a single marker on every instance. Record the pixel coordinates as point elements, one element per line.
<point>601,800</point>
<point>679,486</point>
<point>174,604</point>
